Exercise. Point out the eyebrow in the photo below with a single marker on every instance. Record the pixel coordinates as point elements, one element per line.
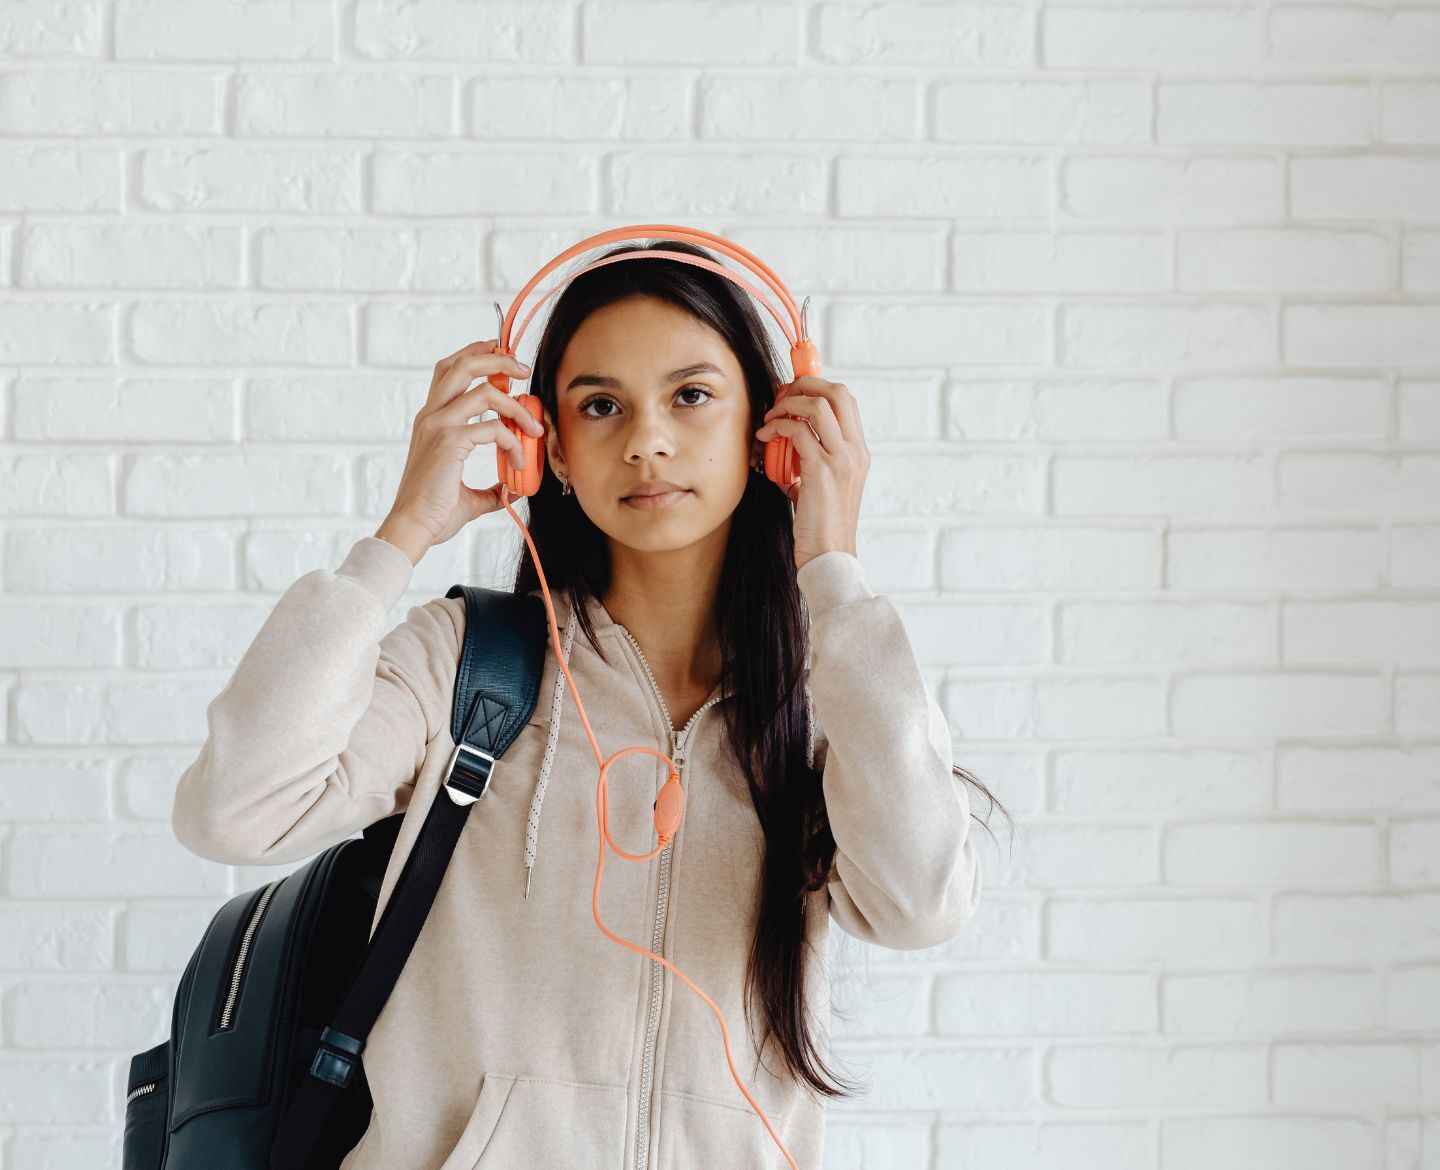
<point>606,383</point>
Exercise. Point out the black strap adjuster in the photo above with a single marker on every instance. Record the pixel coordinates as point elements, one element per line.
<point>336,1058</point>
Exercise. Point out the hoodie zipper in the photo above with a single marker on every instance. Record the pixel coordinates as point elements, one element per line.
<point>652,1018</point>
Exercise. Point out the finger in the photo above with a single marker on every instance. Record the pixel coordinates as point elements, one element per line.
<point>484,496</point>
<point>842,404</point>
<point>478,399</point>
<point>847,411</point>
<point>807,385</point>
<point>819,412</point>
<point>470,366</point>
<point>445,368</point>
<point>492,430</point>
<point>444,365</point>
<point>505,437</point>
<point>798,431</point>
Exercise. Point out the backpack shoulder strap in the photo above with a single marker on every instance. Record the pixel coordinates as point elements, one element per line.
<point>502,661</point>
<point>497,683</point>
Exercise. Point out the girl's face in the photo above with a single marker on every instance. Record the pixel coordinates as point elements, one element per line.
<point>645,391</point>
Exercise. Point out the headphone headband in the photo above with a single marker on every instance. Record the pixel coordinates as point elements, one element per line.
<point>804,357</point>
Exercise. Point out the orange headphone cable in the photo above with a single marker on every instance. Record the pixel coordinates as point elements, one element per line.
<point>669,809</point>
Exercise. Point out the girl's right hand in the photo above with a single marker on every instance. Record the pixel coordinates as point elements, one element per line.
<point>433,502</point>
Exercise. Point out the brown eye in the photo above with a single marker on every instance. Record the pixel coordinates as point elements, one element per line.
<point>584,406</point>
<point>709,394</point>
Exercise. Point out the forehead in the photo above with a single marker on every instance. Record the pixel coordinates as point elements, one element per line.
<point>643,342</point>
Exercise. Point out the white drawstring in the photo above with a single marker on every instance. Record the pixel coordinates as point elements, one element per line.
<point>557,704</point>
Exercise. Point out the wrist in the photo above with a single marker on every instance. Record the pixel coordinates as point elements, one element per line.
<point>407,537</point>
<point>803,559</point>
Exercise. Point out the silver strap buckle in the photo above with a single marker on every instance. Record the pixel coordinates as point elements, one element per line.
<point>455,794</point>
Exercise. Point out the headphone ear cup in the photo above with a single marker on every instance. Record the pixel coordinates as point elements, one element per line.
<point>524,481</point>
<point>782,464</point>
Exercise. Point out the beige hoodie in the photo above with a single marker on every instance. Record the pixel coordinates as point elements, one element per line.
<point>518,1035</point>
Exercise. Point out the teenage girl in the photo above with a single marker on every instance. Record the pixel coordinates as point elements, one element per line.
<point>728,623</point>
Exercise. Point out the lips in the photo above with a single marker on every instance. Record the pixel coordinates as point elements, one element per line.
<point>654,487</point>
<point>654,502</point>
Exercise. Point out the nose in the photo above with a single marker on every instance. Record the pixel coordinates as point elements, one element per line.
<point>648,437</point>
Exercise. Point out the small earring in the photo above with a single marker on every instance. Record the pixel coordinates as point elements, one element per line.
<point>565,489</point>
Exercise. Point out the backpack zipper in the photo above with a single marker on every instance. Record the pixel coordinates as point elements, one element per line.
<point>238,970</point>
<point>652,1017</point>
<point>140,1091</point>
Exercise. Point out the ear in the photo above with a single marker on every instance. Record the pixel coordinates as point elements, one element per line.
<point>554,457</point>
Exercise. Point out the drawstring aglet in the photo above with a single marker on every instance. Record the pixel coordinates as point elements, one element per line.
<point>527,880</point>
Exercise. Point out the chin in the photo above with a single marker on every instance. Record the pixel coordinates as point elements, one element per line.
<point>684,523</point>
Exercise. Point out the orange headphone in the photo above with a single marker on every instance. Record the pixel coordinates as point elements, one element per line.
<point>782,467</point>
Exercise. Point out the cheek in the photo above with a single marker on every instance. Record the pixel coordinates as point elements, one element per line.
<point>567,437</point>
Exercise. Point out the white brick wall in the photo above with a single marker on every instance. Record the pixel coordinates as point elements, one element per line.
<point>1142,303</point>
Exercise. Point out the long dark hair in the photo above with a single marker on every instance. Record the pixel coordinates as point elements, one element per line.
<point>759,605</point>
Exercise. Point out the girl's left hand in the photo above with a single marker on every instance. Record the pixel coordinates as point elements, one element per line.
<point>834,462</point>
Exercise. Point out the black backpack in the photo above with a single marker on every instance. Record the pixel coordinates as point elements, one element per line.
<point>262,1068</point>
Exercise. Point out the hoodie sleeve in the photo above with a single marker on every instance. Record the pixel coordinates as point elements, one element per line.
<point>323,725</point>
<point>906,875</point>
